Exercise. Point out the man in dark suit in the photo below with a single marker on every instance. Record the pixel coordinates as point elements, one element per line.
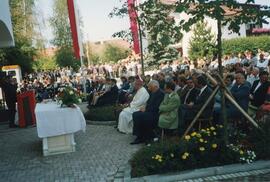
<point>259,90</point>
<point>10,91</point>
<point>191,93</point>
<point>240,92</point>
<point>189,110</point>
<point>145,120</point>
<point>110,97</point>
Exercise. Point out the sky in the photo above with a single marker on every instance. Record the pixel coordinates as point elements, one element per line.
<point>97,24</point>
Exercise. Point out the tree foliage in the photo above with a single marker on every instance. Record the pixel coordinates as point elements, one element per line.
<point>158,27</point>
<point>60,24</point>
<point>65,57</point>
<point>62,35</point>
<point>161,30</point>
<point>113,53</point>
<point>202,43</point>
<point>45,63</point>
<point>23,22</point>
<point>241,13</point>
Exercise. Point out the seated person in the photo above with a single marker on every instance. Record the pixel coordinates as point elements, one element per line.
<point>146,119</point>
<point>265,108</point>
<point>109,97</point>
<point>106,88</point>
<point>217,106</point>
<point>258,92</point>
<point>98,86</point>
<point>189,110</point>
<point>240,91</point>
<point>168,109</point>
<point>125,124</point>
<point>125,94</point>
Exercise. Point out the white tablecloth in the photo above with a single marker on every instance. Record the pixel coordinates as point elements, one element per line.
<point>54,121</point>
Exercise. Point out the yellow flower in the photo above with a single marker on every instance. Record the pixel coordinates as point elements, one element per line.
<point>159,160</point>
<point>184,157</point>
<point>187,137</point>
<point>157,157</point>
<point>201,140</point>
<point>212,128</point>
<point>186,154</point>
<point>202,149</point>
<point>193,134</point>
<point>207,129</point>
<point>241,152</point>
<point>214,133</point>
<point>199,135</point>
<point>172,155</point>
<point>214,145</point>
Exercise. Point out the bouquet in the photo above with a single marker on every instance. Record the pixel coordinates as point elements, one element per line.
<point>68,96</point>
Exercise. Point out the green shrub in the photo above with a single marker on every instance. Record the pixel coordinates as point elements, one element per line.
<point>253,43</point>
<point>205,148</point>
<point>104,113</point>
<point>260,139</point>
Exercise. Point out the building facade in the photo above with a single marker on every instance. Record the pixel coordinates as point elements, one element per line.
<point>6,32</point>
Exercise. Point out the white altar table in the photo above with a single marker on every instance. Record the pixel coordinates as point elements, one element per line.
<point>56,126</point>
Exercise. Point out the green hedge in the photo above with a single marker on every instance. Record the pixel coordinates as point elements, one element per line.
<point>104,113</point>
<point>253,43</point>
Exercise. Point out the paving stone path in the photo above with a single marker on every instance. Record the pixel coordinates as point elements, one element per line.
<point>100,151</point>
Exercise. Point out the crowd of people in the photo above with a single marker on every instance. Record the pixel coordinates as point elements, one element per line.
<point>170,97</point>
<point>177,93</point>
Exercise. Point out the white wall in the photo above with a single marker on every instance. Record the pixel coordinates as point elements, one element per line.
<point>226,34</point>
<point>6,32</point>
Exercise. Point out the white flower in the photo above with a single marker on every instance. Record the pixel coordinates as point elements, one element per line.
<point>71,92</point>
<point>80,100</point>
<point>61,89</point>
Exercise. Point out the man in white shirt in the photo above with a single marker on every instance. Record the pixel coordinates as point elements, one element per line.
<point>125,124</point>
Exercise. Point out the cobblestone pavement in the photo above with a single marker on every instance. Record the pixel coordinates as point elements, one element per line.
<point>101,150</point>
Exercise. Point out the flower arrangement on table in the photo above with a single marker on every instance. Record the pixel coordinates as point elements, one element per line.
<point>68,96</point>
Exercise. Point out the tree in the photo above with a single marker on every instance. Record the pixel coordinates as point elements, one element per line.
<point>238,14</point>
<point>158,27</point>
<point>23,22</point>
<point>62,35</point>
<point>45,63</point>
<point>113,53</point>
<point>202,43</point>
<point>161,30</point>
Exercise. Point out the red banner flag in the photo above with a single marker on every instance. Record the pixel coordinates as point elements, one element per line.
<point>74,28</point>
<point>133,25</point>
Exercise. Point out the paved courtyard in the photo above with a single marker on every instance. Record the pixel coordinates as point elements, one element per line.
<point>101,150</point>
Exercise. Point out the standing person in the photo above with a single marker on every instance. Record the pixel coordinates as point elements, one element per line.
<point>10,91</point>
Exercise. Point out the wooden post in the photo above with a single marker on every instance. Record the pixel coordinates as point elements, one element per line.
<point>201,110</point>
<point>241,110</point>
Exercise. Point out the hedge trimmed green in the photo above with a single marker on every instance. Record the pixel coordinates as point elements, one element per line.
<point>253,43</point>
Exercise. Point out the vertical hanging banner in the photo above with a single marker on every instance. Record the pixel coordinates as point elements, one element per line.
<point>75,29</point>
<point>133,25</point>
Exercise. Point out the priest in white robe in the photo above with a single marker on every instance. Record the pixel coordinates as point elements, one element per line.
<point>125,123</point>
